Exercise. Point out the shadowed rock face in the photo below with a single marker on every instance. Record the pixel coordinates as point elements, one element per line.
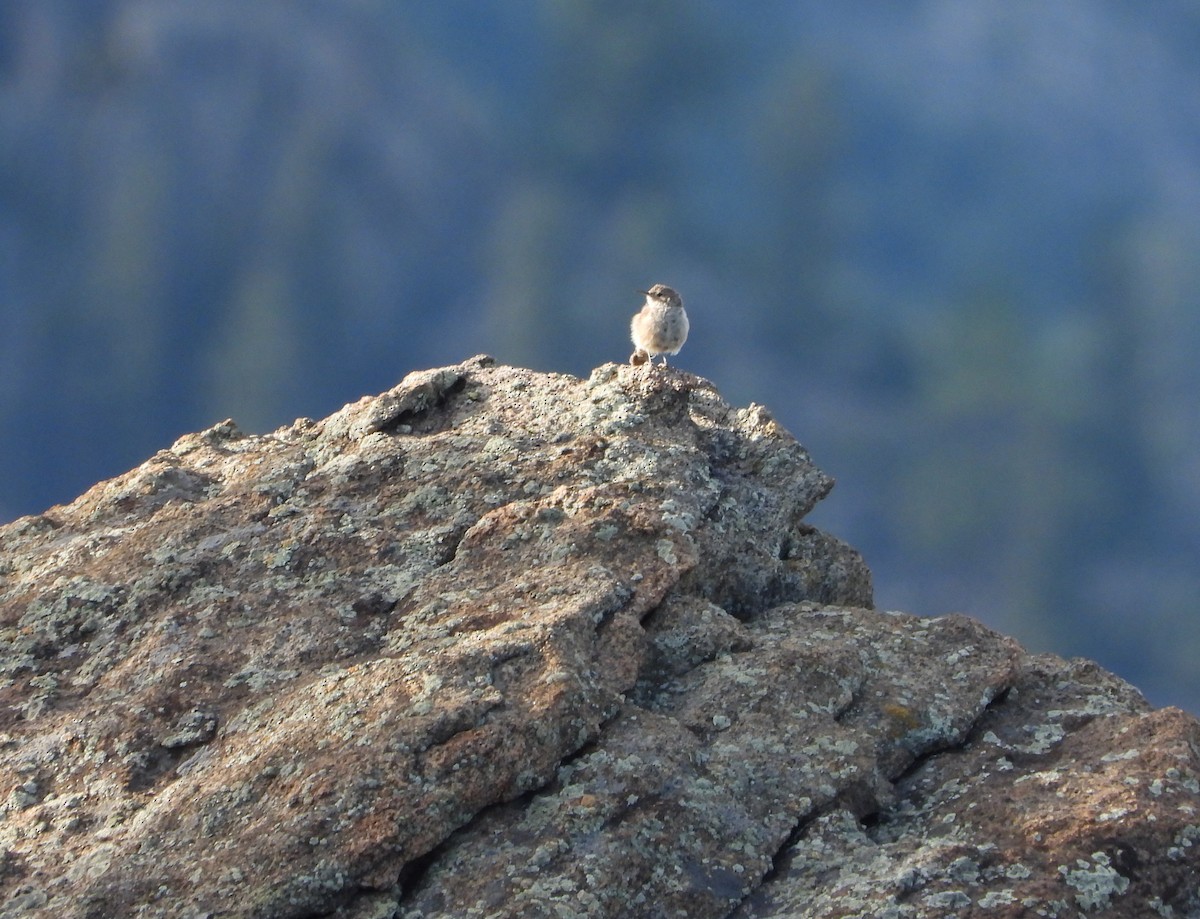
<point>501,643</point>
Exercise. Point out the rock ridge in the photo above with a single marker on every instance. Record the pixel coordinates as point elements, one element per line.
<point>507,643</point>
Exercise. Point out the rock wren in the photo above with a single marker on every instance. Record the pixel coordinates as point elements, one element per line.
<point>661,327</point>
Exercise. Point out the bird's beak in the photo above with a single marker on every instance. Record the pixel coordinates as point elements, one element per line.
<point>646,292</point>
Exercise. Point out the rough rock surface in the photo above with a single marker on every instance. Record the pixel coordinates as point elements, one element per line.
<point>501,643</point>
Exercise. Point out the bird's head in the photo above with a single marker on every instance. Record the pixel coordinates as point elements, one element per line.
<point>663,294</point>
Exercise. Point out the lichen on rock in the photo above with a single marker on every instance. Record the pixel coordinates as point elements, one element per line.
<point>506,643</point>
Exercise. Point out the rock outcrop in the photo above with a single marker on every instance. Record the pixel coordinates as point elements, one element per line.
<point>501,643</point>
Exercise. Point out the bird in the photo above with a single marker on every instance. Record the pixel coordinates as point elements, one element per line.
<point>660,327</point>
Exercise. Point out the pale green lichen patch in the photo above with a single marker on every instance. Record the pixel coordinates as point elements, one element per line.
<point>1096,882</point>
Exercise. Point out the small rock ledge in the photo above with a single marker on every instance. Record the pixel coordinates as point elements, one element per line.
<point>504,643</point>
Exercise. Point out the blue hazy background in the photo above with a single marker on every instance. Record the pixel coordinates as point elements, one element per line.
<point>954,245</point>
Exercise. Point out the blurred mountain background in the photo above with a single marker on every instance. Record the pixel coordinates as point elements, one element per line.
<point>954,245</point>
